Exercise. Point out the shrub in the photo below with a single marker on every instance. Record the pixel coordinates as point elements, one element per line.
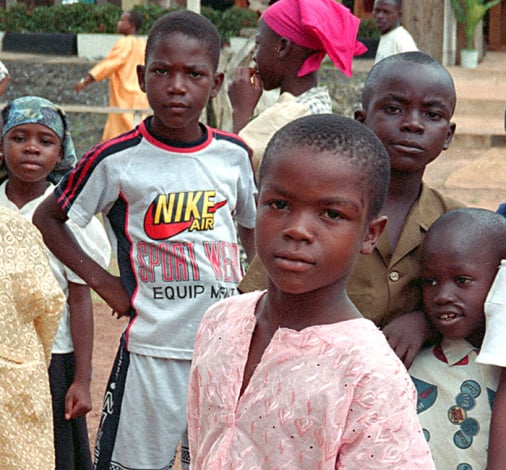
<point>150,13</point>
<point>368,29</point>
<point>88,18</point>
<point>232,20</point>
<point>72,18</point>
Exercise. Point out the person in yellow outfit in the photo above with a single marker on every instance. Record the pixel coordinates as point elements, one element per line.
<point>119,66</point>
<point>31,303</point>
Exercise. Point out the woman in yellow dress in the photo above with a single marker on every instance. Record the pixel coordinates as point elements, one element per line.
<point>31,303</point>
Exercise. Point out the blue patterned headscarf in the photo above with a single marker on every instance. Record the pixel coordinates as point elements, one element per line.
<point>37,110</point>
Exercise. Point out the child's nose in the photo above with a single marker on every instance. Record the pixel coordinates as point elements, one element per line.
<point>176,83</point>
<point>31,146</point>
<point>444,295</point>
<point>299,227</point>
<point>412,121</point>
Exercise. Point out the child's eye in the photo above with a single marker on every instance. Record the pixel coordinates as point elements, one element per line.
<point>160,71</point>
<point>196,74</point>
<point>429,282</point>
<point>434,116</point>
<point>332,214</point>
<point>279,205</point>
<point>463,280</point>
<point>390,109</point>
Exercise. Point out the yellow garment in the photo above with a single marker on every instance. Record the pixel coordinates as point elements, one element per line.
<point>259,131</point>
<point>31,303</point>
<point>384,285</point>
<point>120,68</point>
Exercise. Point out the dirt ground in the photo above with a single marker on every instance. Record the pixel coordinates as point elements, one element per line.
<point>475,177</point>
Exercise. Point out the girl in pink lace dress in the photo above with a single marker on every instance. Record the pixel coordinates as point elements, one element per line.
<point>294,377</point>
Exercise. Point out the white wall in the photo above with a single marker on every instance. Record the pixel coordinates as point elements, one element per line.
<point>449,35</point>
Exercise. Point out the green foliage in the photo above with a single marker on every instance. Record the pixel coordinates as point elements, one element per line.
<point>230,21</point>
<point>469,13</point>
<point>150,13</point>
<point>72,18</point>
<point>368,29</point>
<point>18,19</point>
<point>88,18</point>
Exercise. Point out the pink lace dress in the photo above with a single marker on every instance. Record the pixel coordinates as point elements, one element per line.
<point>327,397</point>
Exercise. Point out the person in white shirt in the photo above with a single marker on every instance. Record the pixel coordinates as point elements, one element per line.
<point>394,37</point>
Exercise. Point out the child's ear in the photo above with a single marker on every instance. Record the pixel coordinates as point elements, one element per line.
<point>449,135</point>
<point>283,47</point>
<point>374,230</point>
<point>141,73</point>
<point>360,115</point>
<point>217,83</point>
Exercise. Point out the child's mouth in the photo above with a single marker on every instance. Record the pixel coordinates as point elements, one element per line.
<point>31,165</point>
<point>448,316</point>
<point>407,148</point>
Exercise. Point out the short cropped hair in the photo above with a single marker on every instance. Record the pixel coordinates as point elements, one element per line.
<point>343,138</point>
<point>397,3</point>
<point>375,75</point>
<point>135,18</point>
<point>485,229</point>
<point>190,24</point>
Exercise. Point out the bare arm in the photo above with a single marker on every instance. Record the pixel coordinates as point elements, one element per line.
<point>83,83</point>
<point>50,219</point>
<point>78,397</point>
<point>247,236</point>
<point>406,335</point>
<point>496,447</point>
<point>4,84</point>
<point>244,93</point>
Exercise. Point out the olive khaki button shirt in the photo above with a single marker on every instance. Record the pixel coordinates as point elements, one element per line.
<point>384,285</point>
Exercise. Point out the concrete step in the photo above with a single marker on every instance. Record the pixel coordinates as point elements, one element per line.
<point>472,140</point>
<point>474,84</point>
<point>480,123</point>
<point>481,102</point>
<point>483,108</point>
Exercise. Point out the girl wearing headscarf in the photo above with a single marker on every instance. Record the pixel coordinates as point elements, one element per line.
<point>37,150</point>
<point>292,38</point>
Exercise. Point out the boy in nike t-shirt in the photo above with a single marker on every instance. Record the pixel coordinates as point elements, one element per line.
<point>169,191</point>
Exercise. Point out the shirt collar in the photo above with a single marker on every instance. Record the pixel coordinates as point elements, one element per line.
<point>456,349</point>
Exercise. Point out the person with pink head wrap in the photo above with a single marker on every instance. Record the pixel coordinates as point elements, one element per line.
<point>326,27</point>
<point>292,38</point>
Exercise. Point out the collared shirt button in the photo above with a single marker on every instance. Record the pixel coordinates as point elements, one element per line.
<point>394,276</point>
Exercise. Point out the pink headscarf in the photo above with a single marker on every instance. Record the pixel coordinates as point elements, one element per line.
<point>323,25</point>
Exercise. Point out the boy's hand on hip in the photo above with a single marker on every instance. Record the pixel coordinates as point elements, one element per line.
<point>116,296</point>
<point>406,335</point>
